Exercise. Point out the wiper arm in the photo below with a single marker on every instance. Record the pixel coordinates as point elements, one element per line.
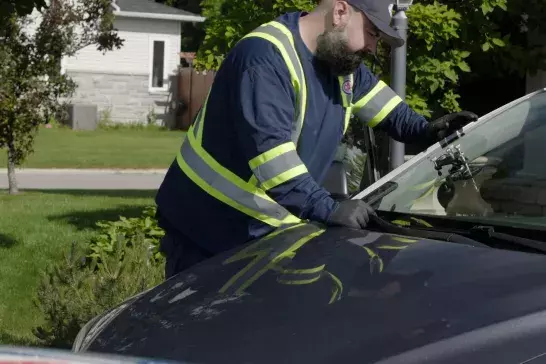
<point>480,233</point>
<point>488,232</point>
<point>428,233</point>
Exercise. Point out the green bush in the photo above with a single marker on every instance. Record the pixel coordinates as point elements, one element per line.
<point>120,263</point>
<point>355,170</point>
<point>128,229</point>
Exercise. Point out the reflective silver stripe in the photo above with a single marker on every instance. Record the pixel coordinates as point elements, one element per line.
<point>229,189</point>
<point>376,104</point>
<point>277,165</point>
<point>294,59</point>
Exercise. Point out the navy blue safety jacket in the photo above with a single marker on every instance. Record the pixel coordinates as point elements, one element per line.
<point>241,174</point>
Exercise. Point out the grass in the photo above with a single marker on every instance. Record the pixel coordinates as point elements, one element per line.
<point>123,148</point>
<point>37,228</point>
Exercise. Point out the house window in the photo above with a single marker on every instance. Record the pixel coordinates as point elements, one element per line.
<point>158,65</point>
<point>159,60</point>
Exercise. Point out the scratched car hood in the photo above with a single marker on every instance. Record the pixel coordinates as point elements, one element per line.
<point>334,296</point>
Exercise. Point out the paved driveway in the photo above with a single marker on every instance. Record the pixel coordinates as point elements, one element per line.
<point>85,179</point>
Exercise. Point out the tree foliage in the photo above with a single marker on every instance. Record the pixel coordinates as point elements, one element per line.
<point>228,21</point>
<point>19,7</point>
<point>192,33</point>
<point>446,40</point>
<point>450,43</point>
<point>30,57</point>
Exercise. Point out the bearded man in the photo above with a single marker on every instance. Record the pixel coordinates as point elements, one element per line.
<point>257,152</point>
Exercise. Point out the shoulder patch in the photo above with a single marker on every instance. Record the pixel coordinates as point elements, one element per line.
<point>347,87</point>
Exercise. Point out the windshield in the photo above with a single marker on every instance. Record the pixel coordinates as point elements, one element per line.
<point>504,180</point>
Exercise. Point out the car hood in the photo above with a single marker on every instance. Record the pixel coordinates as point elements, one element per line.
<point>336,295</point>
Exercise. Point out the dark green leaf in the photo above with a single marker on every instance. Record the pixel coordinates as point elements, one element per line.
<point>449,73</point>
<point>464,66</point>
<point>498,42</point>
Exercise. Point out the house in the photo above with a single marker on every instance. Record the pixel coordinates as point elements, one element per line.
<point>138,82</point>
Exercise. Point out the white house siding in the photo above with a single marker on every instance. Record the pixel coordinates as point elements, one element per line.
<point>118,81</point>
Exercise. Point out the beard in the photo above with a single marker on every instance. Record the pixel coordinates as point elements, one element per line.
<point>333,50</point>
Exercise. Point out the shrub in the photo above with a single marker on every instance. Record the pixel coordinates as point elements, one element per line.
<point>354,162</point>
<point>123,262</point>
<point>128,229</point>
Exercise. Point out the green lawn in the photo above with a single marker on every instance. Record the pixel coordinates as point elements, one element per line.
<point>36,228</point>
<point>65,148</point>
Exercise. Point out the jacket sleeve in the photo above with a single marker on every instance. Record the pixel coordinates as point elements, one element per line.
<point>378,106</point>
<point>264,107</point>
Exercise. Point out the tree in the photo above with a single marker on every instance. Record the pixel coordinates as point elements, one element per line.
<point>32,82</point>
<point>442,37</point>
<point>228,21</point>
<point>192,33</point>
<point>20,7</point>
<point>450,42</point>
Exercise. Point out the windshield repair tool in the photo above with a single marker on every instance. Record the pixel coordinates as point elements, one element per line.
<point>444,143</point>
<point>460,170</point>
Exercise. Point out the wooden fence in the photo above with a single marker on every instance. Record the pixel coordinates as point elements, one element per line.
<point>193,87</point>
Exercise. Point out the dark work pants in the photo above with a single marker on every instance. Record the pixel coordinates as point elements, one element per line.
<point>180,253</point>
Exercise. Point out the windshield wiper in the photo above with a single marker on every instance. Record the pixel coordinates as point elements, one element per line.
<point>428,233</point>
<point>479,236</point>
<point>488,232</point>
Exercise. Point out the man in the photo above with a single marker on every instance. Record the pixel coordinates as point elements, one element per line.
<point>280,103</point>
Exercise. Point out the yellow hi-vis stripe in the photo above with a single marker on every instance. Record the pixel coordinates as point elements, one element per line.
<point>385,111</point>
<point>231,177</point>
<point>347,102</point>
<point>297,167</point>
<point>348,114</point>
<point>295,80</point>
<point>362,102</point>
<point>303,82</point>
<point>299,83</point>
<point>383,103</point>
<point>270,154</point>
<point>284,177</point>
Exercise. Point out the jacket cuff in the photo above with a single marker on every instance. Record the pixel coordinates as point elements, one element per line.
<point>321,211</point>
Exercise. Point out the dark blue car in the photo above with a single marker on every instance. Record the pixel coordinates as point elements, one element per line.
<point>451,271</point>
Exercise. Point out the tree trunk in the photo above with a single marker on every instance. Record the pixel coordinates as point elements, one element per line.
<point>12,180</point>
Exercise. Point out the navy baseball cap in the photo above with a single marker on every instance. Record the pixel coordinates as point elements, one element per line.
<point>380,14</point>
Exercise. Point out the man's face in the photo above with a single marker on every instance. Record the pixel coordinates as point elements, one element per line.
<point>346,40</point>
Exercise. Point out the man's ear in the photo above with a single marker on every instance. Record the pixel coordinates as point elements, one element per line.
<point>341,12</point>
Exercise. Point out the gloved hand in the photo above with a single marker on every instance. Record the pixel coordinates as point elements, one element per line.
<point>448,124</point>
<point>351,213</point>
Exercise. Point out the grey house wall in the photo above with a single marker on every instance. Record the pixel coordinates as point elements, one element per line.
<point>118,81</point>
<point>125,98</point>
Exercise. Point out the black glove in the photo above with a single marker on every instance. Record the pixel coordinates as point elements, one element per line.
<point>448,124</point>
<point>351,213</point>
